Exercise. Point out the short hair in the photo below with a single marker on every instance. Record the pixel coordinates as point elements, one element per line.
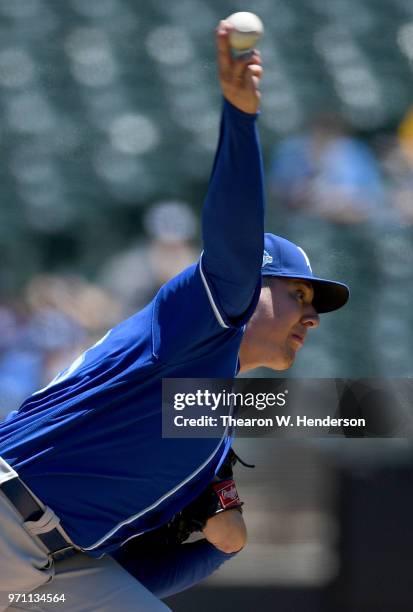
<point>266,281</point>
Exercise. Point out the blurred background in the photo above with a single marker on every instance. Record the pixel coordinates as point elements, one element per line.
<point>109,119</point>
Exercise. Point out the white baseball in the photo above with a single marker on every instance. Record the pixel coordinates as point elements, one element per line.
<point>248,28</point>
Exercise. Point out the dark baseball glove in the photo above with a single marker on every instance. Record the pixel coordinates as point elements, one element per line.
<point>219,496</point>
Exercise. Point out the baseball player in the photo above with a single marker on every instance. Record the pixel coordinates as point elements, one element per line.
<point>84,469</point>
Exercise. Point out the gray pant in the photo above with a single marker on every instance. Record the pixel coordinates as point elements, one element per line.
<point>87,584</point>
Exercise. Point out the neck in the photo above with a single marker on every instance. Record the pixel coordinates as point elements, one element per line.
<point>248,361</point>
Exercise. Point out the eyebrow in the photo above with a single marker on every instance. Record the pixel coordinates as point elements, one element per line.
<point>303,283</point>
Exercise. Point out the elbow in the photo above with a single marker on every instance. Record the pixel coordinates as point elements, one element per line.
<point>231,546</point>
<point>227,532</point>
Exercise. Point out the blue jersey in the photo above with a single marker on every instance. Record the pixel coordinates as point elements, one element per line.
<point>93,436</point>
<point>90,444</point>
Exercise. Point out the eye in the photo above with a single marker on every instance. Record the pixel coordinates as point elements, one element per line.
<point>300,294</point>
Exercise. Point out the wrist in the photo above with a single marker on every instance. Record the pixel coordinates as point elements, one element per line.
<point>237,112</point>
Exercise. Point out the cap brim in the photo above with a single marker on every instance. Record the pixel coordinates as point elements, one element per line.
<point>328,295</point>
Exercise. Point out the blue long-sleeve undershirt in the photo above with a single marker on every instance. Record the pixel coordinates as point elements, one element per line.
<point>233,214</point>
<point>171,569</point>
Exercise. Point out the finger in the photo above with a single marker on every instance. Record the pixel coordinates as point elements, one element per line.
<point>256,70</point>
<point>256,83</point>
<point>223,49</point>
<point>255,57</point>
<point>249,57</point>
<point>239,67</point>
<point>252,82</point>
<point>253,79</point>
<point>253,76</point>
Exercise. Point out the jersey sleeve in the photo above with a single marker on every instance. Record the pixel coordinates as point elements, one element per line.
<point>188,318</point>
<point>169,570</point>
<point>218,295</point>
<point>233,215</point>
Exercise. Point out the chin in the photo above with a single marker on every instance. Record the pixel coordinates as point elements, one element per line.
<point>281,368</point>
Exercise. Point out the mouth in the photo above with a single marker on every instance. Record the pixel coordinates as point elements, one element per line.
<point>298,339</point>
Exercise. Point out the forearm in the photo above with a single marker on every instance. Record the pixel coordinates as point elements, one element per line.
<point>233,215</point>
<point>172,569</point>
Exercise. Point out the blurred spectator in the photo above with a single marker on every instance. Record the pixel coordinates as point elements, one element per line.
<point>137,273</point>
<point>327,172</point>
<point>20,366</point>
<point>58,317</point>
<point>397,162</point>
<point>55,321</point>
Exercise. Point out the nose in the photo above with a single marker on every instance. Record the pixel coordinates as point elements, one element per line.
<point>311,317</point>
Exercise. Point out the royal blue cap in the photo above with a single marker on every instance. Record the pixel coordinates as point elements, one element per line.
<point>286,259</point>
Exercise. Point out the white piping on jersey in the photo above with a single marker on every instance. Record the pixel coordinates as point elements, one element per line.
<point>132,537</point>
<point>135,535</point>
<point>160,500</point>
<point>199,469</point>
<point>6,471</point>
<point>211,299</point>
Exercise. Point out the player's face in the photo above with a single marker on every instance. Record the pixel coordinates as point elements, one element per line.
<point>279,325</point>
